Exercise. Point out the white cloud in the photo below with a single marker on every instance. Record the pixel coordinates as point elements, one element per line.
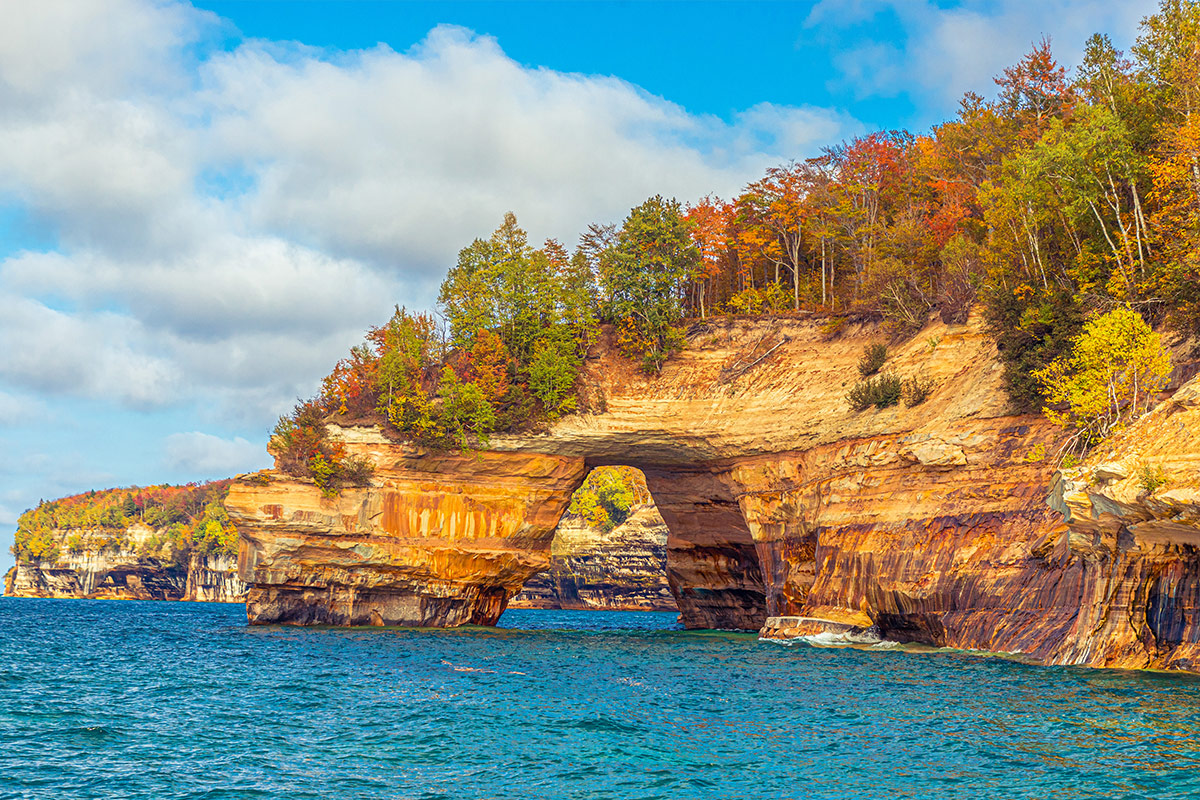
<point>205,454</point>
<point>92,354</point>
<point>56,46</point>
<point>393,157</point>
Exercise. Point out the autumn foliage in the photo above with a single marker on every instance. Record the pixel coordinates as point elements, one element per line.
<point>1065,195</point>
<point>608,496</point>
<point>191,518</point>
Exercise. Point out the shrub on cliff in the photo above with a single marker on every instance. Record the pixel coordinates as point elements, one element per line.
<point>880,391</point>
<point>1151,477</point>
<point>873,358</point>
<point>916,389</point>
<point>303,448</point>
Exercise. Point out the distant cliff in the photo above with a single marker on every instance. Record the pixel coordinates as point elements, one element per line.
<point>622,569</point>
<point>155,543</point>
<point>129,574</point>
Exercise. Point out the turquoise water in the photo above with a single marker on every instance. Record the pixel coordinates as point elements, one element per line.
<point>178,700</point>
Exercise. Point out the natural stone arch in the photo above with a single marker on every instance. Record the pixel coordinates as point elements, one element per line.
<point>446,539</point>
<point>930,523</point>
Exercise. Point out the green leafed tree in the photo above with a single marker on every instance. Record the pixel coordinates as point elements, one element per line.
<point>465,415</point>
<point>644,278</point>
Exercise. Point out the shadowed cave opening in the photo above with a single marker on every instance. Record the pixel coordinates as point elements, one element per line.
<point>653,539</point>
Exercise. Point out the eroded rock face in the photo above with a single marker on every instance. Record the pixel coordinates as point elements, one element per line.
<point>1132,517</point>
<point>437,540</point>
<point>621,569</point>
<point>928,524</point>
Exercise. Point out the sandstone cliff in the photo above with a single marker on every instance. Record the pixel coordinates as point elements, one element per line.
<point>621,569</point>
<point>930,524</point>
<point>135,564</point>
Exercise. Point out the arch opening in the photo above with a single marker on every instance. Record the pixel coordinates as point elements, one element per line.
<point>684,546</point>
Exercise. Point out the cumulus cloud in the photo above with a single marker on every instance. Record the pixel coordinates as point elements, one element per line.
<point>205,454</point>
<point>56,46</point>
<point>448,136</point>
<point>95,354</point>
<point>949,51</point>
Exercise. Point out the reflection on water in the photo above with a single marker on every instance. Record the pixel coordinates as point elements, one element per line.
<point>157,700</point>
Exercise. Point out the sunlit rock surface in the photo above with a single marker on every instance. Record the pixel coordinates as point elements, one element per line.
<point>438,539</point>
<point>621,569</point>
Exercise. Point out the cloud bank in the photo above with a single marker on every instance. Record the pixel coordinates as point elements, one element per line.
<point>229,221</point>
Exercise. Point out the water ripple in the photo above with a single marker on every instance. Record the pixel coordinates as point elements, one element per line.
<point>157,700</point>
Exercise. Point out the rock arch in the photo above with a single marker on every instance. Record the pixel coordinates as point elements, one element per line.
<point>447,539</point>
<point>747,458</point>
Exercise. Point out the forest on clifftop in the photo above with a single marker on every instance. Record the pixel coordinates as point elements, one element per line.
<point>1063,197</point>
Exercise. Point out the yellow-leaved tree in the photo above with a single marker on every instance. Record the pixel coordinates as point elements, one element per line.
<point>1107,380</point>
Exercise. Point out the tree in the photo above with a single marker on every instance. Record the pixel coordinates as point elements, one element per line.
<point>1035,89</point>
<point>772,212</point>
<point>407,348</point>
<point>709,220</point>
<point>644,277</point>
<point>465,415</point>
<point>552,375</point>
<point>498,284</point>
<point>487,365</point>
<point>1109,378</point>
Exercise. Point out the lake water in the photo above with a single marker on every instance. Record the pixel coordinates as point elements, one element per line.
<point>183,700</point>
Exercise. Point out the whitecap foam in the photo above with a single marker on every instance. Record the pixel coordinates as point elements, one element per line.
<point>830,639</point>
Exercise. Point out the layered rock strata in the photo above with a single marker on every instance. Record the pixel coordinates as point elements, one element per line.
<point>786,510</point>
<point>621,569</point>
<point>137,569</point>
<point>437,539</point>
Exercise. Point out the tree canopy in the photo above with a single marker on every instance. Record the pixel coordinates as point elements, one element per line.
<point>191,517</point>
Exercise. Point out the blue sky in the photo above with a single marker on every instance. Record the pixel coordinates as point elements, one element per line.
<point>203,206</point>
